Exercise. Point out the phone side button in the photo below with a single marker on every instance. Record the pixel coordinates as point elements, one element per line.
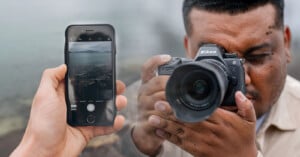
<point>90,119</point>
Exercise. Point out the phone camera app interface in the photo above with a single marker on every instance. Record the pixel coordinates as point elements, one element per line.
<point>90,82</point>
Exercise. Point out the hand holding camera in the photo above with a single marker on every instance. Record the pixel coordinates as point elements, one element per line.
<point>151,91</point>
<point>194,92</point>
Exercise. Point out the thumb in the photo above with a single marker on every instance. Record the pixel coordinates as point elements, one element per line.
<point>150,66</point>
<point>52,77</point>
<point>49,84</point>
<point>245,107</point>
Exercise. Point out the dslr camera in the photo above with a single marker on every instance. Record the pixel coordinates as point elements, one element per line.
<point>198,86</point>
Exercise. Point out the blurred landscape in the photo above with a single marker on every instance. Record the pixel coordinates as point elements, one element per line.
<point>32,39</point>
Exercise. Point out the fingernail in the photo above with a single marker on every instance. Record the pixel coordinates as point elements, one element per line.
<point>165,58</point>
<point>159,106</point>
<point>241,97</point>
<point>154,120</point>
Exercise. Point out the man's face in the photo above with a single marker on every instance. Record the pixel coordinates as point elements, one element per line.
<point>253,36</point>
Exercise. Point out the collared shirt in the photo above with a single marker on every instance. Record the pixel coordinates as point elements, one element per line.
<point>278,136</point>
<point>260,121</point>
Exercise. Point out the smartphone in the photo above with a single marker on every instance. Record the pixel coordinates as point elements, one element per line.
<point>90,80</point>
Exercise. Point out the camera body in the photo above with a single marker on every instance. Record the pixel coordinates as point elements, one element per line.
<point>198,86</point>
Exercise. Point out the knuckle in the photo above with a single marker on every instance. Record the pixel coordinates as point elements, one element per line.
<point>159,96</point>
<point>159,83</point>
<point>144,67</point>
<point>179,131</point>
<point>143,103</point>
<point>47,72</point>
<point>164,124</point>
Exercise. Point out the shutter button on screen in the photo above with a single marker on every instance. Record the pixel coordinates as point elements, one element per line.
<point>90,107</point>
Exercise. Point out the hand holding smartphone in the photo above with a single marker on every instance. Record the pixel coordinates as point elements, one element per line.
<point>90,79</point>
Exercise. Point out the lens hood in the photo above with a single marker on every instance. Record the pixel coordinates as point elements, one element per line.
<point>196,89</point>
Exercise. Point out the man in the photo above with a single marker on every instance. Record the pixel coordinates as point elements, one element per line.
<point>47,132</point>
<point>265,122</point>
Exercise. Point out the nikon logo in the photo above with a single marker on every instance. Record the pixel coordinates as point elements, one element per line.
<point>208,51</point>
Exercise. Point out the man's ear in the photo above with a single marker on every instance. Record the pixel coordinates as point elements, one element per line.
<point>187,46</point>
<point>287,43</point>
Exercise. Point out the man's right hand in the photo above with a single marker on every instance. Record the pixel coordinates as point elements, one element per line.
<point>151,92</point>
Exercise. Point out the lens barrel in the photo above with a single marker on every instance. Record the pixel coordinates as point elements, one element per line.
<point>196,89</point>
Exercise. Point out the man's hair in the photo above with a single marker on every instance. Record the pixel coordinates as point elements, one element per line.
<point>231,7</point>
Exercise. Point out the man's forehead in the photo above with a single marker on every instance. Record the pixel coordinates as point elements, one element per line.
<point>234,32</point>
<point>264,15</point>
<point>223,26</point>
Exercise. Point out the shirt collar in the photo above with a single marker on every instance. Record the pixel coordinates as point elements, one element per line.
<point>280,116</point>
<point>260,121</point>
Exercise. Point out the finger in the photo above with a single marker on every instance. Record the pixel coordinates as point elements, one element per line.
<point>163,107</point>
<point>154,85</point>
<point>194,145</point>
<point>147,102</point>
<point>52,77</point>
<point>171,127</point>
<point>168,136</point>
<point>245,107</point>
<point>118,124</point>
<point>121,102</point>
<point>120,87</point>
<point>149,68</point>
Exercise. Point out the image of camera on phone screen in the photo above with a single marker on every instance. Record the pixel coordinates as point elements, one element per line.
<point>197,87</point>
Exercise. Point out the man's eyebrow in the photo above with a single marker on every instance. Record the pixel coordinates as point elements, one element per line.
<point>249,50</point>
<point>257,47</point>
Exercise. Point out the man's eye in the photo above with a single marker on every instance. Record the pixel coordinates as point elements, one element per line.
<point>256,59</point>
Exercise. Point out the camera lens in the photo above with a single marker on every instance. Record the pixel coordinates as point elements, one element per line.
<point>196,89</point>
<point>199,90</point>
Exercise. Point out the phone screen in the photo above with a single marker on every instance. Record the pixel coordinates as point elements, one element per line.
<point>90,78</point>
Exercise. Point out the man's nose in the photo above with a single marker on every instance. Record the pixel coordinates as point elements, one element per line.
<point>247,76</point>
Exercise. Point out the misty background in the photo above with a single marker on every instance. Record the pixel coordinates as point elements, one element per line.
<point>32,39</point>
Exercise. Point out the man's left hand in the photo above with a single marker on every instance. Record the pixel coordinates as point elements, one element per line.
<point>224,133</point>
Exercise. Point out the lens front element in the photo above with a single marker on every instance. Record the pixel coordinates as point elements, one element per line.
<point>199,89</point>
